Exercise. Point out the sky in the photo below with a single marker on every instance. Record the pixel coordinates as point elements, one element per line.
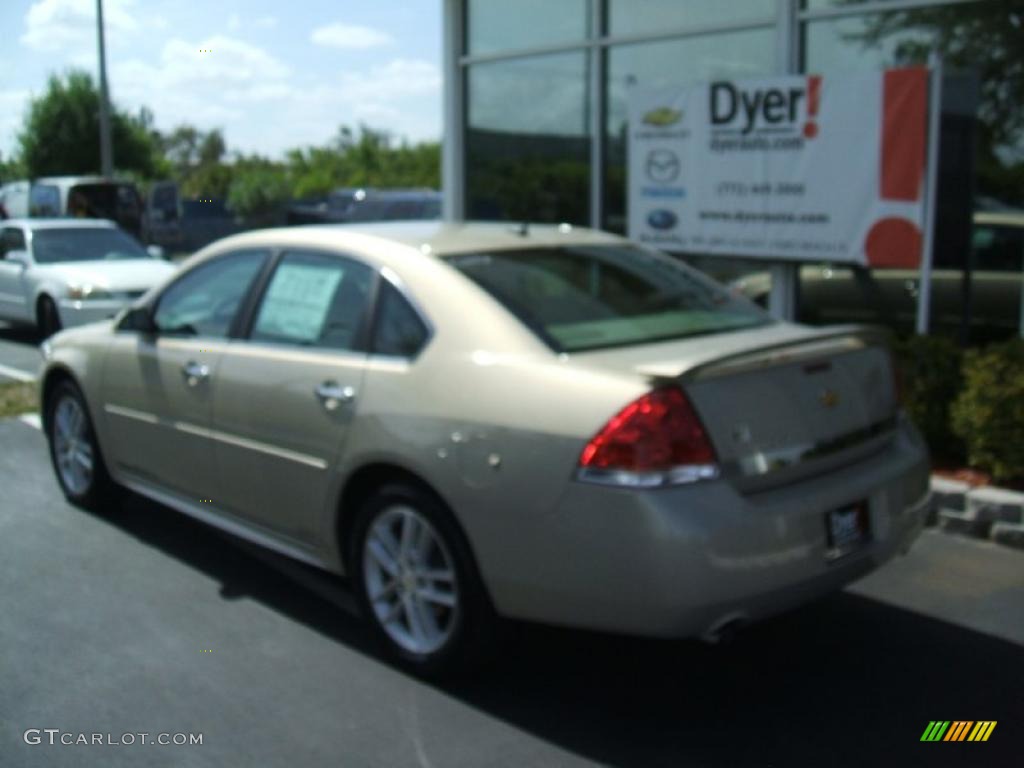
<point>278,74</point>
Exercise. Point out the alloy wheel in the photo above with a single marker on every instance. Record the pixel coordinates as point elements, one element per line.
<point>410,580</point>
<point>72,446</point>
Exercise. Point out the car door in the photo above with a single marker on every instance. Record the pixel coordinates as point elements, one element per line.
<point>286,395</point>
<point>14,300</point>
<point>159,387</point>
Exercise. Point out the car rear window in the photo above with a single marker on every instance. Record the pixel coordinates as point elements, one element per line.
<point>583,298</point>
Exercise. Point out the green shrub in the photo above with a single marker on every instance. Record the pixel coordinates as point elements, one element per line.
<point>931,378</point>
<point>989,413</point>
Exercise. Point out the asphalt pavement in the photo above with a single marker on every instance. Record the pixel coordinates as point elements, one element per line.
<point>19,353</point>
<point>140,620</point>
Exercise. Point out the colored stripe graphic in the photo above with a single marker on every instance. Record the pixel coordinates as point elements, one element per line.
<point>983,730</point>
<point>958,730</point>
<point>935,730</point>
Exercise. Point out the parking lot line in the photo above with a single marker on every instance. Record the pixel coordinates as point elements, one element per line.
<point>16,373</point>
<point>32,419</point>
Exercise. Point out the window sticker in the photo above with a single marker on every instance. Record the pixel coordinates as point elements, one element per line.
<point>297,301</point>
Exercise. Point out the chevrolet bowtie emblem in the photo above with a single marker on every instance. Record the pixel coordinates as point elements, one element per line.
<point>829,398</point>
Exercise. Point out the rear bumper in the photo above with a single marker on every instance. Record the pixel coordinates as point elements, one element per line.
<point>73,312</point>
<point>680,561</point>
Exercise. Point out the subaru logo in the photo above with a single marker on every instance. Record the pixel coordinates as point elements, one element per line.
<point>662,219</point>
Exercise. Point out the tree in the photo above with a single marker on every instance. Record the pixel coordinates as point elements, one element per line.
<point>258,191</point>
<point>987,38</point>
<point>367,158</point>
<point>61,132</point>
<point>11,170</point>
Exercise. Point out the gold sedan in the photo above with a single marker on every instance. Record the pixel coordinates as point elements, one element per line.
<point>474,421</point>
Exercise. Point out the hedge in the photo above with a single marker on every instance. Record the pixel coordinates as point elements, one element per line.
<point>988,414</point>
<point>930,375</point>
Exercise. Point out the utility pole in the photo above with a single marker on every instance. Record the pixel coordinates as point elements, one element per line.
<point>106,147</point>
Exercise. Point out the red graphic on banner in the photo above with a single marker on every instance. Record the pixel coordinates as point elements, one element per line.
<point>896,241</point>
<point>813,102</point>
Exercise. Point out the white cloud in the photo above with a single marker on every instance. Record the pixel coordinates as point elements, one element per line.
<point>69,25</point>
<point>13,104</point>
<point>397,78</point>
<point>352,36</point>
<point>402,97</point>
<point>205,89</point>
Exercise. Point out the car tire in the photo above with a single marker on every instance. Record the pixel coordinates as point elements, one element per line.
<point>47,317</point>
<point>74,450</point>
<point>431,613</point>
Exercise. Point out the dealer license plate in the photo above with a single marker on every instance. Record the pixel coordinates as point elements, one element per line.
<point>846,530</point>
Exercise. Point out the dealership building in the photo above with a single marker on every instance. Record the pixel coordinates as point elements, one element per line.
<point>537,91</point>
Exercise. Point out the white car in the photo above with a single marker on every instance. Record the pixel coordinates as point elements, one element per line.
<point>56,273</point>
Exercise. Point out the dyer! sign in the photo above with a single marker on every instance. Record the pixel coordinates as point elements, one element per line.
<point>806,168</point>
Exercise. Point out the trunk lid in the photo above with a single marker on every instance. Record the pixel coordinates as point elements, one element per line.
<point>779,403</point>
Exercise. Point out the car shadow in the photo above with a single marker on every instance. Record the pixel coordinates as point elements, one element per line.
<point>20,334</point>
<point>845,681</point>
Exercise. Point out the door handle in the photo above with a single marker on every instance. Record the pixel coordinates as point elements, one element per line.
<point>195,372</point>
<point>331,394</point>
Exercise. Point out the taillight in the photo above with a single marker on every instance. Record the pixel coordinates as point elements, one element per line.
<point>656,440</point>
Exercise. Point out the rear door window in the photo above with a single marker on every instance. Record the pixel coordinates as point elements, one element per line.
<point>314,300</point>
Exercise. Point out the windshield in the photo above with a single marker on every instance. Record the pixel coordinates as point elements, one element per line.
<point>581,298</point>
<point>50,246</point>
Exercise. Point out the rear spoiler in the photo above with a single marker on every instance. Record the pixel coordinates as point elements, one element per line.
<point>833,341</point>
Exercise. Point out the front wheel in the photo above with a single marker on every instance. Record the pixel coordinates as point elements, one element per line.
<point>48,318</point>
<point>417,584</point>
<point>74,451</point>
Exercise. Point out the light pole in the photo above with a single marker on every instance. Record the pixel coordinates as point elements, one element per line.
<point>106,147</point>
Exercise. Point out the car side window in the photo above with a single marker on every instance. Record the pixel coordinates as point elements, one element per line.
<point>314,300</point>
<point>13,239</point>
<point>998,248</point>
<point>399,331</point>
<point>205,301</point>
<point>44,200</point>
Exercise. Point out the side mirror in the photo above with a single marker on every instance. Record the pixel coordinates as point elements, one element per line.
<point>20,257</point>
<point>138,319</point>
<point>156,251</point>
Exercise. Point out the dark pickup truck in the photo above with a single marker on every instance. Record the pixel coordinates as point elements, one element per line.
<point>184,226</point>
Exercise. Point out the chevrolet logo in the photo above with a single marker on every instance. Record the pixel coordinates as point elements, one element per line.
<point>828,398</point>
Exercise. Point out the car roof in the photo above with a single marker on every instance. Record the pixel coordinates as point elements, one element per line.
<point>1001,218</point>
<point>59,223</point>
<point>76,180</point>
<point>438,238</point>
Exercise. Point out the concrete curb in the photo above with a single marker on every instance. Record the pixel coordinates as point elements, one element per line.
<point>984,513</point>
